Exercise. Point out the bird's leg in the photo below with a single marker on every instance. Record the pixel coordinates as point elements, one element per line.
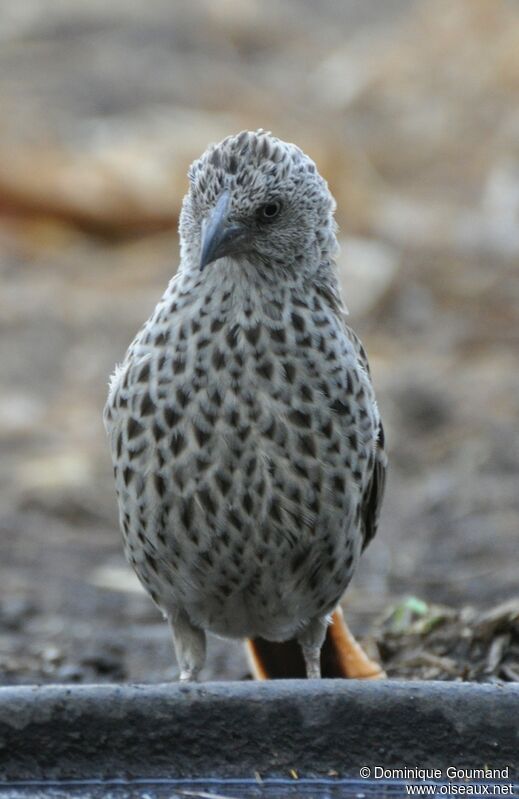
<point>312,656</point>
<point>189,642</point>
<point>311,641</point>
<point>351,660</point>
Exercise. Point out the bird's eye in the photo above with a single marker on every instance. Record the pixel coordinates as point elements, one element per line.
<point>269,211</point>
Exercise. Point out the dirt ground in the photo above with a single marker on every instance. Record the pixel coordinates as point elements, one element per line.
<point>410,110</point>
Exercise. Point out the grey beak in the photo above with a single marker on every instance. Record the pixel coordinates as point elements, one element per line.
<point>219,238</point>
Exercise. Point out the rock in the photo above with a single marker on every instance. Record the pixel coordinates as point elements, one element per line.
<point>367,271</point>
<point>129,178</point>
<point>47,477</point>
<point>494,226</point>
<point>424,408</point>
<point>117,578</point>
<point>14,612</point>
<point>19,414</point>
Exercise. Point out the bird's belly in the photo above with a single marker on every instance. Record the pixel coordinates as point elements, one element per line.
<point>239,496</point>
<point>253,594</point>
<point>251,536</point>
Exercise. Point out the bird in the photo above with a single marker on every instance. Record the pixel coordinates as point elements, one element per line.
<point>247,444</point>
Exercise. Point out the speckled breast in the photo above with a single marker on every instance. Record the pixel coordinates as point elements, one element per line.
<point>241,440</point>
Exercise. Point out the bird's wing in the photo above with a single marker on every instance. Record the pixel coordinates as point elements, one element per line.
<point>374,492</point>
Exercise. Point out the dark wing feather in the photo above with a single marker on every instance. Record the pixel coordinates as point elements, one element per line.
<point>374,493</point>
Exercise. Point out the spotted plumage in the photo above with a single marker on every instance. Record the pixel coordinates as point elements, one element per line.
<point>246,440</point>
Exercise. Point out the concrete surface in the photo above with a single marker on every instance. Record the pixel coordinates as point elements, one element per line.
<point>237,730</point>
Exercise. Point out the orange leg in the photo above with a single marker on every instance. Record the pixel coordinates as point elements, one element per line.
<point>341,656</point>
<point>353,662</point>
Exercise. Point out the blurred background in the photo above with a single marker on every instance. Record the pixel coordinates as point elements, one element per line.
<point>411,110</point>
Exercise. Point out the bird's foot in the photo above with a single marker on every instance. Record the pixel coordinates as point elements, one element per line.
<point>312,656</point>
<point>355,663</point>
<point>189,646</point>
<point>189,675</point>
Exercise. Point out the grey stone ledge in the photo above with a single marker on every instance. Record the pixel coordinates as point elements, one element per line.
<point>239,729</point>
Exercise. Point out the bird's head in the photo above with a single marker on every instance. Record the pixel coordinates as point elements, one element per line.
<point>259,201</point>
